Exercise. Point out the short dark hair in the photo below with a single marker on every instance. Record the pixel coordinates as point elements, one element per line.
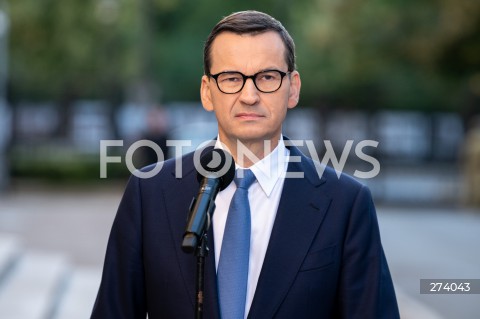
<point>249,22</point>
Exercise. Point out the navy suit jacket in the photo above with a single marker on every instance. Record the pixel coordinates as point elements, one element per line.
<point>324,258</point>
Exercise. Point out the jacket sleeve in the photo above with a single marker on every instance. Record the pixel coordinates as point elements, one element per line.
<point>366,289</point>
<point>122,293</point>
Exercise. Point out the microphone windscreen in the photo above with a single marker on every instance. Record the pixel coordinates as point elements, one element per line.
<point>218,164</point>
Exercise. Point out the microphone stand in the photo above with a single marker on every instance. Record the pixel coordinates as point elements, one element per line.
<point>201,252</point>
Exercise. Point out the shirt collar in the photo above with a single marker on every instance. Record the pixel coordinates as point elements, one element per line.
<point>268,170</point>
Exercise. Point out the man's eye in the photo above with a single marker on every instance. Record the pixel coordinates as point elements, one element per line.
<point>267,77</point>
<point>233,79</point>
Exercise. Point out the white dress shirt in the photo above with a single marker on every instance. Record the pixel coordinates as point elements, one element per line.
<point>264,196</point>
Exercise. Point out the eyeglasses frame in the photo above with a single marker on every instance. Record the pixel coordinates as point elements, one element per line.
<point>246,77</point>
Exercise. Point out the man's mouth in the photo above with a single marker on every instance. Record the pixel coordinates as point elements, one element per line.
<point>249,116</point>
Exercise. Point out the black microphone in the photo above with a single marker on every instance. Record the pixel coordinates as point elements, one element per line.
<point>216,172</point>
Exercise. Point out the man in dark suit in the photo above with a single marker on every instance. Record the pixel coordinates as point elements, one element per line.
<point>314,248</point>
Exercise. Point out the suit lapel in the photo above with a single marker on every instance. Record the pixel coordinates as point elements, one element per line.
<point>301,211</point>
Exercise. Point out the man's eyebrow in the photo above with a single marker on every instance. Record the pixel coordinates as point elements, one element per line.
<point>273,68</point>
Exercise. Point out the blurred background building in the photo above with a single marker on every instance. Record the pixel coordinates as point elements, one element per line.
<point>405,74</point>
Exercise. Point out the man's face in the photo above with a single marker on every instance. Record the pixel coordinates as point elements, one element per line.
<point>249,115</point>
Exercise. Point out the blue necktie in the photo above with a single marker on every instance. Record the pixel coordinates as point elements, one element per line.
<point>232,271</point>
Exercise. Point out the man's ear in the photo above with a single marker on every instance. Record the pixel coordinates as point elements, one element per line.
<point>294,93</point>
<point>206,94</point>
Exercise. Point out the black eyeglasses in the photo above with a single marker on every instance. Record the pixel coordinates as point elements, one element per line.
<point>231,82</point>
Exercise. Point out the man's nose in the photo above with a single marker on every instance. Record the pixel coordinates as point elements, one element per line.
<point>249,94</point>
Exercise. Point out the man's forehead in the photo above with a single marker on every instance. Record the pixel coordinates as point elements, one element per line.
<point>228,45</point>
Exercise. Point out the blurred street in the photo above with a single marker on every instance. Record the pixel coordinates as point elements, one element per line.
<point>74,222</point>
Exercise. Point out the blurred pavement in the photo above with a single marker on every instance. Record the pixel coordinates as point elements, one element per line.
<point>74,223</point>
<point>433,243</point>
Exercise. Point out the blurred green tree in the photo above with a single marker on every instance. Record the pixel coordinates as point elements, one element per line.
<point>420,54</point>
<point>82,48</point>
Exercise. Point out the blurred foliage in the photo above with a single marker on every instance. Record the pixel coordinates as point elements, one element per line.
<point>409,54</point>
<point>61,164</point>
<point>79,48</point>
<point>420,54</point>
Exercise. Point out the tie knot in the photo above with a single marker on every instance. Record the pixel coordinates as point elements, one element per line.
<point>244,178</point>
